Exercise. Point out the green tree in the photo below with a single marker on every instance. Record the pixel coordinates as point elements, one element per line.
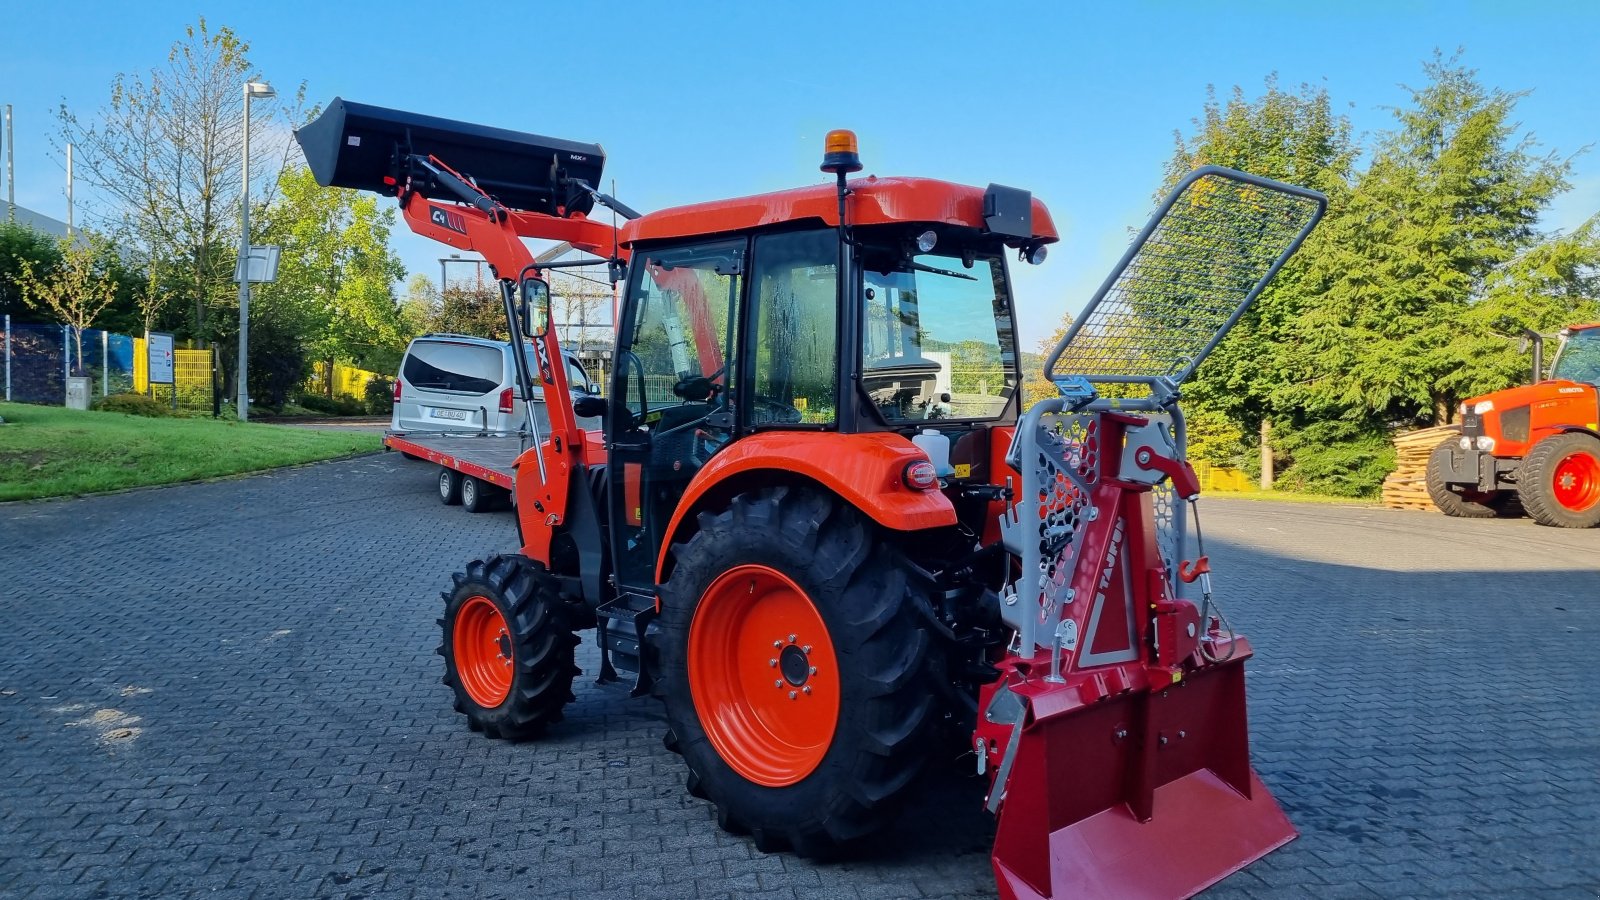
<point>335,273</point>
<point>1451,198</point>
<point>22,246</point>
<point>1294,137</point>
<point>468,310</point>
<point>76,291</point>
<point>163,160</point>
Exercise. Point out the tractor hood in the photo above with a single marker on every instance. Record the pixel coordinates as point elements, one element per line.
<point>1528,394</point>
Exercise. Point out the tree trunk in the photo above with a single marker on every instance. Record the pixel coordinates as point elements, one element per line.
<point>1266,455</point>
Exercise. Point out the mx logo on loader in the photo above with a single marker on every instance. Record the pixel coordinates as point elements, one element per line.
<point>444,218</point>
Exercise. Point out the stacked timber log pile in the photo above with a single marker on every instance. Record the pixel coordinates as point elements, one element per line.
<point>1406,487</point>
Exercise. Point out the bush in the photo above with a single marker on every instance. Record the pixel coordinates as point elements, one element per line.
<point>134,405</point>
<point>1336,457</point>
<point>380,396</point>
<point>341,405</point>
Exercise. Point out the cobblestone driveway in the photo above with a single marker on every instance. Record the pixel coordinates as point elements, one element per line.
<point>229,689</point>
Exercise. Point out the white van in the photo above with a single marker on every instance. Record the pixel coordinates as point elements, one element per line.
<point>460,383</point>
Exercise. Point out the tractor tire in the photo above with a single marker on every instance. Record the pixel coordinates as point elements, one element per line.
<point>477,495</point>
<point>508,653</point>
<point>1560,481</point>
<point>796,671</point>
<point>1468,505</point>
<point>449,486</point>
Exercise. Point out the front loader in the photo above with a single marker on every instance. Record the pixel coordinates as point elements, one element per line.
<point>820,527</point>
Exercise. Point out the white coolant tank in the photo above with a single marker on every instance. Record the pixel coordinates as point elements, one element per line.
<point>937,446</point>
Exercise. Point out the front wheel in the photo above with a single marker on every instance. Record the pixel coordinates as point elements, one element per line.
<point>1560,481</point>
<point>508,653</point>
<point>796,671</point>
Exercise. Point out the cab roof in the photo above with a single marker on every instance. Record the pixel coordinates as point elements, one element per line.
<point>873,201</point>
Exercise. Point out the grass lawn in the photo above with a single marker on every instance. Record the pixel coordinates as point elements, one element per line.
<point>49,451</point>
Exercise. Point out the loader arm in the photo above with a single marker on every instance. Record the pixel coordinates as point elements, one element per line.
<point>497,236</point>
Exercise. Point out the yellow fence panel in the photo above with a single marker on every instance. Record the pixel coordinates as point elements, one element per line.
<point>192,369</point>
<point>1221,478</point>
<point>141,365</point>
<point>347,380</point>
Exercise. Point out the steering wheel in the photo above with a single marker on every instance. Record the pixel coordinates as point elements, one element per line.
<point>767,411</point>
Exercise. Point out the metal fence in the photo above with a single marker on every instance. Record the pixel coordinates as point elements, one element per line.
<point>38,359</point>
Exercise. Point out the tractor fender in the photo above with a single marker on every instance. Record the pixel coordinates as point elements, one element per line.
<point>862,469</point>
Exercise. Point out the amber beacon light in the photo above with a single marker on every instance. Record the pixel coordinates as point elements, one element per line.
<point>840,155</point>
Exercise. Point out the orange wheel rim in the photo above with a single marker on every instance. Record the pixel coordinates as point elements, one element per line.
<point>763,675</point>
<point>1577,482</point>
<point>484,658</point>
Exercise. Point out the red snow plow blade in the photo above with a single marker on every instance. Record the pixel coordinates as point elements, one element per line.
<point>1117,730</point>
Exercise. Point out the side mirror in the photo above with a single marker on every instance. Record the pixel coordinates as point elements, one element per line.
<point>534,308</point>
<point>589,407</point>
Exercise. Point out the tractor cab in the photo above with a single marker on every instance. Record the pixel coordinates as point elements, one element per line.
<point>1578,358</point>
<point>735,322</point>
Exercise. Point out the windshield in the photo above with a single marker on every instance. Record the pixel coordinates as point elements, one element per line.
<point>1579,359</point>
<point>936,339</point>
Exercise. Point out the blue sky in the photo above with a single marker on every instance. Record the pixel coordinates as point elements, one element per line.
<point>696,101</point>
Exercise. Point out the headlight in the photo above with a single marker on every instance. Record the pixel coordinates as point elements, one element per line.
<point>1463,408</point>
<point>1483,406</point>
<point>1485,443</point>
<point>1466,443</point>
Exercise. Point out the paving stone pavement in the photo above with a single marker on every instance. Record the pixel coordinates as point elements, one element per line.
<point>229,690</point>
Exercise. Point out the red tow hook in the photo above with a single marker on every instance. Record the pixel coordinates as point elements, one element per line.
<point>1188,572</point>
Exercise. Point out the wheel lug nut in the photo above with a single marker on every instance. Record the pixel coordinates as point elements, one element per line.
<point>806,649</point>
<point>793,695</point>
<point>813,670</point>
<point>773,663</point>
<point>777,644</point>
<point>807,689</point>
<point>778,683</point>
<point>792,638</point>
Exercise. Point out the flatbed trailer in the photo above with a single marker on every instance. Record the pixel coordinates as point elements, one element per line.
<point>475,470</point>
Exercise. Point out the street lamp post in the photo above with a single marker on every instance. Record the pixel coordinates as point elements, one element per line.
<point>251,90</point>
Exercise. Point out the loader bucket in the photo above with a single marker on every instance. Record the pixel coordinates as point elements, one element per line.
<point>358,146</point>
<point>1117,731</point>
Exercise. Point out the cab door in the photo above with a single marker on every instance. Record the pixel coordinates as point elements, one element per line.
<point>674,391</point>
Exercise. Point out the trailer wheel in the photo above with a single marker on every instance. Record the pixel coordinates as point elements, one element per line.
<point>476,495</point>
<point>796,671</point>
<point>1560,481</point>
<point>449,486</point>
<point>1458,504</point>
<point>508,653</point>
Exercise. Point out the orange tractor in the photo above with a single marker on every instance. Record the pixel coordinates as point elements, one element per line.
<point>1537,445</point>
<point>820,526</point>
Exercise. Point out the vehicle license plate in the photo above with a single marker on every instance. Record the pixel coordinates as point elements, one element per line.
<point>459,414</point>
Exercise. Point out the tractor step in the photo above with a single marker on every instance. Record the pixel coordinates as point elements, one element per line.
<point>620,632</point>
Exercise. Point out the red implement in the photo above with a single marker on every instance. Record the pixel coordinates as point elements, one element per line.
<point>1121,747</point>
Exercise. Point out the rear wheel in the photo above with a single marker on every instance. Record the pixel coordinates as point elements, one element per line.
<point>508,653</point>
<point>449,486</point>
<point>477,495</point>
<point>795,671</point>
<point>1560,481</point>
<point>1461,504</point>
